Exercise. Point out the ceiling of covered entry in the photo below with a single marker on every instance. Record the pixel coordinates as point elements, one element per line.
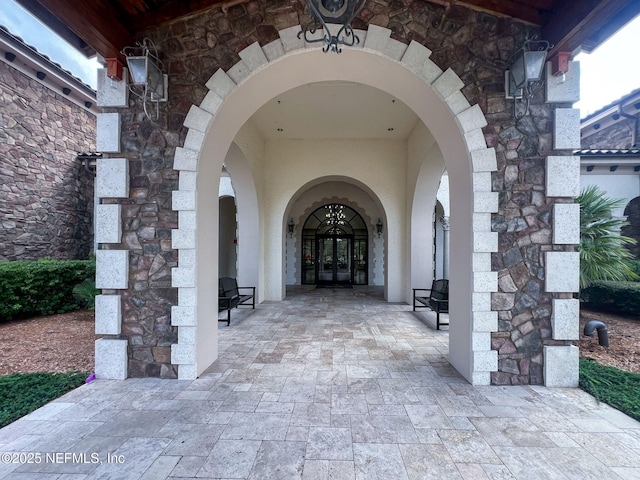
<point>341,110</point>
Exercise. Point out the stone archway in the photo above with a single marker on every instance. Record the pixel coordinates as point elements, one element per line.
<point>402,70</point>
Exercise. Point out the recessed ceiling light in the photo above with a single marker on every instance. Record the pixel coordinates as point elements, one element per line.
<point>281,129</point>
<point>390,129</point>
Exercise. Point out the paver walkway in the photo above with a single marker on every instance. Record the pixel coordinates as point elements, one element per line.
<point>328,384</point>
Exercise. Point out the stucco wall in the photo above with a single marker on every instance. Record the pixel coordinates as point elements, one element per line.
<point>46,196</point>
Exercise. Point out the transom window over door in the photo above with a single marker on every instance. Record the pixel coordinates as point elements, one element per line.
<point>335,247</point>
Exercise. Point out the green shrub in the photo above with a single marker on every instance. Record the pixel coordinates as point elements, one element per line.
<point>85,294</point>
<point>41,287</point>
<point>635,266</point>
<point>621,297</point>
<point>22,393</point>
<point>614,387</point>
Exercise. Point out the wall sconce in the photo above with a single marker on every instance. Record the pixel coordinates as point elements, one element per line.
<point>147,79</point>
<point>379,228</point>
<point>290,227</point>
<point>525,74</point>
<point>341,12</point>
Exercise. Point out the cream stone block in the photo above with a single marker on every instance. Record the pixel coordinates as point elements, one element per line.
<point>481,222</point>
<point>485,361</point>
<point>457,103</point>
<point>273,50</point>
<point>565,319</point>
<point>562,270</point>
<point>485,321</point>
<point>211,103</point>
<point>183,277</point>
<point>482,182</point>
<point>481,261</point>
<point>481,378</point>
<point>290,40</point>
<point>484,160</point>
<point>183,200</point>
<point>253,56</point>
<point>485,242</point>
<point>561,366</point>
<point>486,202</point>
<point>183,316</point>
<point>112,178</point>
<point>447,84</point>
<point>563,176</point>
<point>185,159</point>
<point>197,119</point>
<point>394,49</point>
<point>187,257</point>
<point>220,83</point>
<point>485,281</point>
<point>108,315</point>
<point>187,335</point>
<point>471,119</point>
<point>481,301</point>
<point>183,238</point>
<point>187,297</point>
<point>566,223</point>
<point>475,139</point>
<point>111,359</point>
<point>377,38</point>
<point>194,140</point>
<point>187,220</point>
<point>108,224</point>
<point>187,180</point>
<point>108,132</point>
<point>112,269</point>
<point>416,59</point>
<point>187,372</point>
<point>110,92</point>
<point>183,354</point>
<point>239,72</point>
<point>481,341</point>
<point>563,88</point>
<point>566,129</point>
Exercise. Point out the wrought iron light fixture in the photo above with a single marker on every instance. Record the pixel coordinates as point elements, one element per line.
<point>338,12</point>
<point>147,79</point>
<point>525,75</point>
<point>379,228</point>
<point>290,227</point>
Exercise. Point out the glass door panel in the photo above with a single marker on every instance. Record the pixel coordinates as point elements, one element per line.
<point>325,260</point>
<point>342,260</point>
<point>309,261</point>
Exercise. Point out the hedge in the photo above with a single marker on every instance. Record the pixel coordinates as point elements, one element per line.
<point>42,287</point>
<point>621,297</point>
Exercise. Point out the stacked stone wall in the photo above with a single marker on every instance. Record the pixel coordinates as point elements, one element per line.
<point>46,195</point>
<point>477,46</point>
<point>618,136</point>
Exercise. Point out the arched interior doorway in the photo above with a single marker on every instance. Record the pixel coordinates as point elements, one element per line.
<point>434,95</point>
<point>335,247</point>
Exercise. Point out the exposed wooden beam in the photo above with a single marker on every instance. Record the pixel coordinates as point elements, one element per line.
<point>573,22</point>
<point>168,12</point>
<point>94,21</point>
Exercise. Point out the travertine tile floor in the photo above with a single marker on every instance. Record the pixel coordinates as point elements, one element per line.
<point>328,384</point>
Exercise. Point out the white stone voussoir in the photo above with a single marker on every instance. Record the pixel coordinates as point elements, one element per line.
<point>220,83</point>
<point>471,119</point>
<point>194,140</point>
<point>447,84</point>
<point>290,40</point>
<point>484,160</point>
<point>183,200</point>
<point>273,50</point>
<point>377,38</point>
<point>197,119</point>
<point>253,57</point>
<point>185,159</point>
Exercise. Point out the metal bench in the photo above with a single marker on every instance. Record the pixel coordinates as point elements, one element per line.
<point>436,298</point>
<point>229,296</point>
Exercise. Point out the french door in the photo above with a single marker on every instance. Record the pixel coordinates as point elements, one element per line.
<point>335,257</point>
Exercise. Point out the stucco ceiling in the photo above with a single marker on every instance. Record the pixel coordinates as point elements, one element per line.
<point>337,110</point>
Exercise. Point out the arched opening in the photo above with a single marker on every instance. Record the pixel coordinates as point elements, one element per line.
<point>435,98</point>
